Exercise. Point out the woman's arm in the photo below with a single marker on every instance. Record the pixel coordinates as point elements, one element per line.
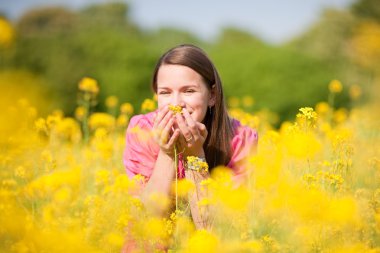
<point>156,193</point>
<point>195,133</point>
<point>201,214</point>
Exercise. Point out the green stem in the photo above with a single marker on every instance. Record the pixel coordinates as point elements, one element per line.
<point>331,101</point>
<point>176,177</point>
<point>86,131</point>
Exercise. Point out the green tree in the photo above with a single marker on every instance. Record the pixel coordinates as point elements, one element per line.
<point>367,9</point>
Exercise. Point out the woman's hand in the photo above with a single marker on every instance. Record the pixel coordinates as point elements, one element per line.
<point>193,134</point>
<point>163,132</point>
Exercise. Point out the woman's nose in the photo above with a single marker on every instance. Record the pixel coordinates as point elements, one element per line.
<point>177,100</point>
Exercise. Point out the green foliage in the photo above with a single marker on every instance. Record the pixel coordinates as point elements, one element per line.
<point>278,78</point>
<point>367,9</point>
<point>101,42</point>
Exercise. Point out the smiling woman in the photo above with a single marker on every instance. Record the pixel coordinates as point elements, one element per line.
<point>186,80</point>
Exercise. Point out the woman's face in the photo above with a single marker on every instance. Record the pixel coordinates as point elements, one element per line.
<point>181,85</point>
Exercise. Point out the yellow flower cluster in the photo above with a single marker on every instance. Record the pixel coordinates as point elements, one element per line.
<point>148,105</point>
<point>197,164</point>
<point>6,33</point>
<point>308,113</point>
<point>126,108</point>
<point>112,101</point>
<point>245,118</point>
<point>99,119</point>
<point>88,84</point>
<point>335,86</point>
<point>305,189</point>
<point>175,108</point>
<point>306,118</point>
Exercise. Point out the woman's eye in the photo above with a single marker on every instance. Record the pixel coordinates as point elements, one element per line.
<point>163,92</point>
<point>190,91</point>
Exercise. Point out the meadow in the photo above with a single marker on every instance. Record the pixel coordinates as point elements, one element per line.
<point>314,183</point>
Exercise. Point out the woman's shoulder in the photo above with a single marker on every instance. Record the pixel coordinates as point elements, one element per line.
<point>142,120</point>
<point>241,131</point>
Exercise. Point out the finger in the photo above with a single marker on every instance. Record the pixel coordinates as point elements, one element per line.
<point>173,139</point>
<point>164,122</point>
<point>183,127</point>
<point>191,123</point>
<point>159,128</point>
<point>166,131</point>
<point>159,116</point>
<point>181,142</point>
<point>202,129</point>
<point>160,123</point>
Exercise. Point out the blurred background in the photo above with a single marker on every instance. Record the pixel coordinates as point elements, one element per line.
<point>278,56</point>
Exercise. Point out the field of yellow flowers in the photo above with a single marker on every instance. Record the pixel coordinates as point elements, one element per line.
<point>314,184</point>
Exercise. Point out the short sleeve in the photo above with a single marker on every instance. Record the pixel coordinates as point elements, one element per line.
<point>244,145</point>
<point>140,151</point>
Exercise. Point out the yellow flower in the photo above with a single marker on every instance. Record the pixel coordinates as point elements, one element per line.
<point>126,108</point>
<point>205,202</point>
<point>100,119</point>
<point>148,105</point>
<point>62,195</point>
<point>46,156</point>
<point>233,102</point>
<point>248,101</point>
<point>184,187</point>
<point>102,177</point>
<point>342,211</point>
<point>197,164</point>
<point>184,226</point>
<point>252,246</point>
<point>310,179</point>
<point>88,84</point>
<point>269,244</point>
<point>68,129</point>
<point>175,108</point>
<point>377,220</point>
<point>322,108</point>
<point>307,112</point>
<point>112,101</point>
<point>80,112</point>
<point>41,125</point>
<point>335,86</point>
<point>340,115</point>
<point>202,241</point>
<point>20,172</point>
<point>122,120</point>
<point>6,33</point>
<point>302,145</point>
<point>234,199</point>
<point>245,118</point>
<point>52,120</point>
<point>115,239</point>
<point>101,133</point>
<point>355,91</point>
<point>154,226</point>
<point>366,44</point>
<point>158,201</point>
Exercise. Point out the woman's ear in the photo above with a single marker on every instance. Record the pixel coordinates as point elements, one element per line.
<point>212,99</point>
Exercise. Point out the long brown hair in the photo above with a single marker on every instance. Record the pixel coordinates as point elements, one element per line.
<point>217,146</point>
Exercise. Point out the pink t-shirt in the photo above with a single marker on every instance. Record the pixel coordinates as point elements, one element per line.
<point>141,150</point>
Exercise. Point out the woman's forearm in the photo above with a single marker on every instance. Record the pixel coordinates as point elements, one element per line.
<point>158,189</point>
<point>200,214</point>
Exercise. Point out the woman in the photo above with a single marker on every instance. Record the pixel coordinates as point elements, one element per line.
<point>185,77</point>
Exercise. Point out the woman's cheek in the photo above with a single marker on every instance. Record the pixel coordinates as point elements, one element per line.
<point>161,104</point>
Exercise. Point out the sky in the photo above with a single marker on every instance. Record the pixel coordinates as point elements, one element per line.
<point>274,21</point>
